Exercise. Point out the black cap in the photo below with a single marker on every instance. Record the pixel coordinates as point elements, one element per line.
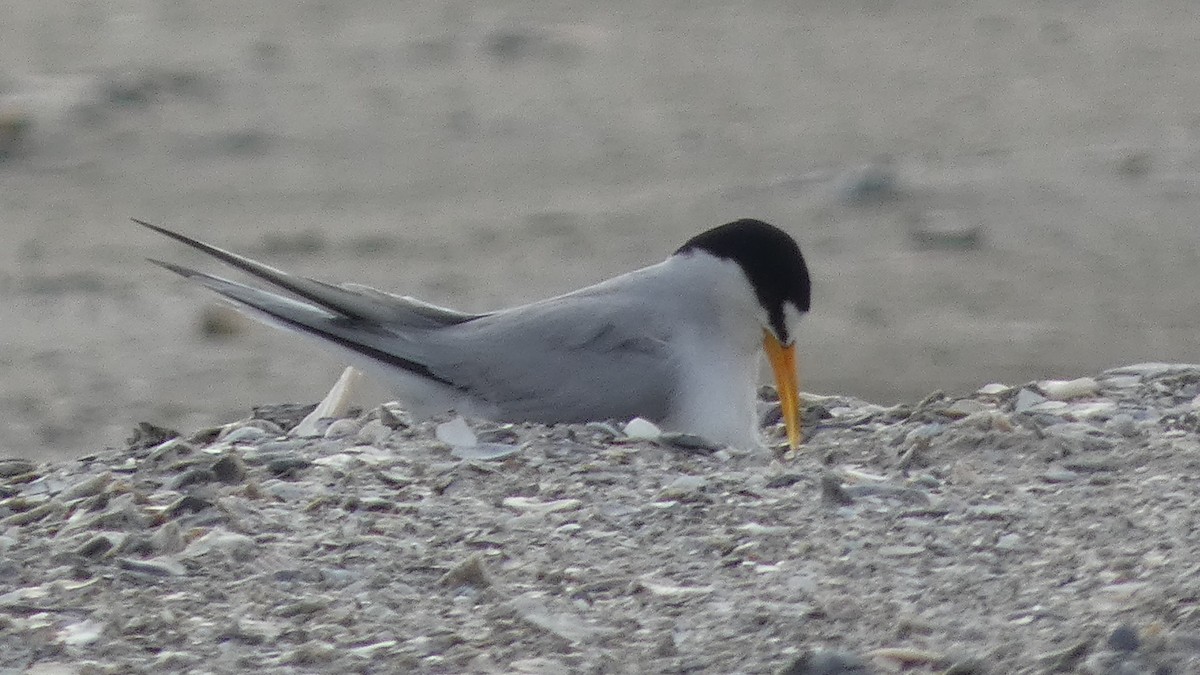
<point>771,260</point>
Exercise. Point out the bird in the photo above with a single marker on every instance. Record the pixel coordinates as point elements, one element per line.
<point>679,343</point>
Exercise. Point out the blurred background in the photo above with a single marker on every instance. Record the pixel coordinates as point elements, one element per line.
<point>986,191</point>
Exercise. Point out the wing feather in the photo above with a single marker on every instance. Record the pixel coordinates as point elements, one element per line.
<point>366,339</point>
<point>571,359</point>
<point>351,301</point>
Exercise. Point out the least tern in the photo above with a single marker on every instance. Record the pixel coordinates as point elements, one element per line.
<point>679,343</point>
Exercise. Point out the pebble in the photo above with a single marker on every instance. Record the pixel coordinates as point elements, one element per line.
<point>288,466</point>
<point>1092,464</point>
<point>207,436</point>
<point>1151,370</point>
<point>826,662</point>
<point>901,551</point>
<point>343,428</point>
<point>968,406</point>
<point>50,508</point>
<point>668,590</point>
<point>100,544</point>
<point>1063,390</point>
<point>146,435</point>
<point>1065,660</point>
<point>372,651</point>
<point>1124,638</point>
<point>456,433</point>
<point>283,415</point>
<point>247,434</point>
<point>907,657</point>
<point>683,487</point>
<point>342,462</point>
<point>1098,410</point>
<point>170,451</point>
<point>89,487</point>
<point>783,480</point>
<point>991,512</point>
<point>485,451</point>
<point>192,477</point>
<point>604,430</point>
<point>909,495</point>
<point>924,433</point>
<point>272,428</point>
<point>1122,424</point>
<point>832,492</point>
<point>1008,542</point>
<point>584,551</point>
<point>273,450</point>
<point>81,633</point>
<point>501,433</point>
<point>229,469</point>
<point>232,544</point>
<point>168,539</point>
<point>1121,382</point>
<point>15,467</point>
<point>1059,476</point>
<point>469,572</point>
<point>529,505</point>
<point>688,442</point>
<point>155,567</point>
<point>169,660</point>
<point>1050,407</point>
<point>305,606</point>
<point>1027,399</point>
<point>968,666</point>
<point>639,429</point>
<point>538,666</point>
<point>393,418</point>
<point>374,433</point>
<point>533,608</point>
<point>185,505</point>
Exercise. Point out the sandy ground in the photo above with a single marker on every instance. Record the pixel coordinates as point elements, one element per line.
<point>480,154</point>
<point>1003,533</point>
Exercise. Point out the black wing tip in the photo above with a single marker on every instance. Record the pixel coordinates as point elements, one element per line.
<point>374,353</point>
<point>309,289</point>
<point>183,238</point>
<point>139,221</point>
<point>172,267</point>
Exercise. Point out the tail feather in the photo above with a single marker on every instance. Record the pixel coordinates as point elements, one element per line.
<point>361,336</point>
<point>350,302</point>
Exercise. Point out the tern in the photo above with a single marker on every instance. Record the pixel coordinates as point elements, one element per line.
<point>679,343</point>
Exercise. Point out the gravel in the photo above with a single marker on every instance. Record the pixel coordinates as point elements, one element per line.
<point>989,533</point>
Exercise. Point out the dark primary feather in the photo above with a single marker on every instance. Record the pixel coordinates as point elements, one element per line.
<point>357,302</point>
<point>360,336</point>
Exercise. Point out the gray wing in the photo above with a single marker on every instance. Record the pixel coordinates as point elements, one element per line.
<point>594,354</point>
<point>590,355</point>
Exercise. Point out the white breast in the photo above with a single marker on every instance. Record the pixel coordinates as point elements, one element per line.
<point>717,398</point>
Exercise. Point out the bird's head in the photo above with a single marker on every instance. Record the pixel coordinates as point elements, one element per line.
<point>775,269</point>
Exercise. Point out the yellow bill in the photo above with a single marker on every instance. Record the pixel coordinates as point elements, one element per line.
<point>783,363</point>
